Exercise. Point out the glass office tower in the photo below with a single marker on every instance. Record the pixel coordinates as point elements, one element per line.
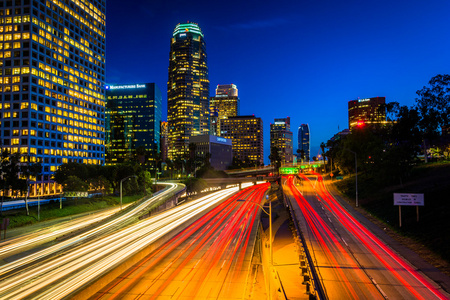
<point>187,89</point>
<point>133,117</point>
<point>52,64</point>
<point>304,141</point>
<point>368,111</point>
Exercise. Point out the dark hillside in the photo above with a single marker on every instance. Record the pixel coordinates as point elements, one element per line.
<point>433,228</point>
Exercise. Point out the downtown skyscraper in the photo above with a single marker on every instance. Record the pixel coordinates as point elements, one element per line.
<point>304,142</point>
<point>281,138</point>
<point>187,89</point>
<point>225,103</point>
<point>52,64</point>
<point>132,123</point>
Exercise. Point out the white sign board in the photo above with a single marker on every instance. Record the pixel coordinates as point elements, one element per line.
<point>409,199</point>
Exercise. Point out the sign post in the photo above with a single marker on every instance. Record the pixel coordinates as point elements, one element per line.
<point>408,200</point>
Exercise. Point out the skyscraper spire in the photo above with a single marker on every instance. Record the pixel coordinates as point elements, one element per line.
<point>187,88</point>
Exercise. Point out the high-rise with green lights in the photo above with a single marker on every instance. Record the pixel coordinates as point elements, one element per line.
<point>52,74</point>
<point>187,89</point>
<point>133,117</point>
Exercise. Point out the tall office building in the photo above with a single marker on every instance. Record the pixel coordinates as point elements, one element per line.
<point>304,140</point>
<point>246,134</point>
<point>368,111</point>
<point>225,103</point>
<point>52,63</point>
<point>133,117</point>
<point>281,137</point>
<point>187,88</point>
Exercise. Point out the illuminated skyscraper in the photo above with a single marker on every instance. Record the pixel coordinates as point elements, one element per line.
<point>187,88</point>
<point>225,103</point>
<point>281,137</point>
<point>133,116</point>
<point>304,141</point>
<point>246,134</point>
<point>367,111</point>
<point>52,64</point>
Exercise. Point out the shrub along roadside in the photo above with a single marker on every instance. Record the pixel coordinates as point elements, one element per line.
<point>72,207</point>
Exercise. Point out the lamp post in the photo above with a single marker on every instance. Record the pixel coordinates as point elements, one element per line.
<point>356,174</point>
<point>121,188</point>
<point>270,231</point>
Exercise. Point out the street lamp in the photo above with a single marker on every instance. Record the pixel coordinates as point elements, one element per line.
<point>356,174</point>
<point>121,188</point>
<point>270,231</point>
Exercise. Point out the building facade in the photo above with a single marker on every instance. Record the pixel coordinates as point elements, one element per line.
<point>225,104</point>
<point>304,141</point>
<point>368,111</point>
<point>246,134</point>
<point>281,138</point>
<point>133,117</point>
<point>187,89</point>
<point>219,150</point>
<point>52,64</point>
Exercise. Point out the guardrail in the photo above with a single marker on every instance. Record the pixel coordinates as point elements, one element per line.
<point>31,202</point>
<point>313,287</point>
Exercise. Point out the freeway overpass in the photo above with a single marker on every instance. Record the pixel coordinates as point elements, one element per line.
<point>270,170</point>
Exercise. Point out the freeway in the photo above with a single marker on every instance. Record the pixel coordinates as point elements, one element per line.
<point>209,259</point>
<point>59,270</point>
<point>351,261</point>
<point>41,236</point>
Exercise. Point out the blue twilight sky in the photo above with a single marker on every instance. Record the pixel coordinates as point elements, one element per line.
<point>302,59</point>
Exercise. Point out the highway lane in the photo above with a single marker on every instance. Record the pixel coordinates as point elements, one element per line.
<point>209,259</point>
<point>57,271</point>
<point>21,243</point>
<point>351,261</point>
<point>27,241</point>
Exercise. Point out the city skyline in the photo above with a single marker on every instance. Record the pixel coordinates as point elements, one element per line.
<point>310,58</point>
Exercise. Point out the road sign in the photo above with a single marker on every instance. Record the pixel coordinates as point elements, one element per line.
<point>401,199</point>
<point>408,199</point>
<point>339,177</point>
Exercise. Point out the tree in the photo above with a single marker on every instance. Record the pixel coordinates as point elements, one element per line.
<point>275,159</point>
<point>33,170</point>
<point>194,185</point>
<point>434,109</point>
<point>74,184</point>
<point>100,183</point>
<point>301,152</point>
<point>71,169</point>
<point>322,147</point>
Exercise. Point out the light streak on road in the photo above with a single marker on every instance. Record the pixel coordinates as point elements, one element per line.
<point>84,259</point>
<point>26,241</point>
<point>343,269</point>
<point>220,238</point>
<point>395,276</point>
